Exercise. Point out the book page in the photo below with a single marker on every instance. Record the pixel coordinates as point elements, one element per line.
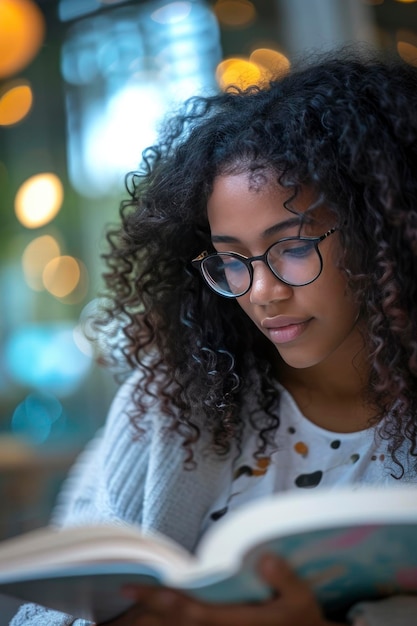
<point>48,548</point>
<point>292,512</point>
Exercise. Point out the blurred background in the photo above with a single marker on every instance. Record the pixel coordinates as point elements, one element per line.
<point>83,86</point>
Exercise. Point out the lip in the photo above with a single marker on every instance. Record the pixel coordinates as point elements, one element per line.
<point>283,329</point>
<point>281,321</point>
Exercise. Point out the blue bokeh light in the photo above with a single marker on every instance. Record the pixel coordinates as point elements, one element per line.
<point>46,357</point>
<point>33,418</point>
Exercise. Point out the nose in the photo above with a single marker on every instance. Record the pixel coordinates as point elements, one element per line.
<point>266,287</point>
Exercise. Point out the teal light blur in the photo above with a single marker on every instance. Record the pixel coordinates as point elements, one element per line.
<point>46,357</point>
<point>36,416</point>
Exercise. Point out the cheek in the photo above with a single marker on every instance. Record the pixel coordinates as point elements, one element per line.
<point>335,297</point>
<point>332,284</point>
<point>246,305</point>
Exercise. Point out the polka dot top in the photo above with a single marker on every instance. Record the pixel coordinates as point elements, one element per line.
<point>306,456</point>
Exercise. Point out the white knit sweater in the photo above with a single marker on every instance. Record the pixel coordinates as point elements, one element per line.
<point>122,478</point>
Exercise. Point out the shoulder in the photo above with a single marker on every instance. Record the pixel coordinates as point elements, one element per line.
<point>121,420</point>
<point>106,482</point>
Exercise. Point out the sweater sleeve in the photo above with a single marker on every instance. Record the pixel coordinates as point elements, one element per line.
<point>34,615</point>
<point>90,493</point>
<point>106,484</point>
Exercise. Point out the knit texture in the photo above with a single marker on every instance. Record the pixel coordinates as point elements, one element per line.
<point>121,478</point>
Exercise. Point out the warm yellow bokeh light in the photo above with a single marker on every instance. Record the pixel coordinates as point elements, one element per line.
<point>38,200</point>
<point>235,13</point>
<point>273,63</point>
<point>408,52</point>
<point>37,254</point>
<point>15,102</point>
<point>263,65</point>
<point>240,73</point>
<point>22,30</point>
<point>61,275</point>
<point>79,293</point>
<point>407,1</point>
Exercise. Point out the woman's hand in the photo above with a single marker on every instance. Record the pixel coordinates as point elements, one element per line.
<point>293,605</point>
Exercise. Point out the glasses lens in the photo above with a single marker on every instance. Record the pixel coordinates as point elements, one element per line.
<point>226,274</point>
<point>295,261</point>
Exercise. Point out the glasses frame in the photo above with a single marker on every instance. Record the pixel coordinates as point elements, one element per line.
<point>198,262</point>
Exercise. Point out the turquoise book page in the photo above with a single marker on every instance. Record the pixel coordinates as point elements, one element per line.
<point>343,565</point>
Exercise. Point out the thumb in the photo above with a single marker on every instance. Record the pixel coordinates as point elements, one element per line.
<point>278,575</point>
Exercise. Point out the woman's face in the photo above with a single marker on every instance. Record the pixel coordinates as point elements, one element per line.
<point>308,325</point>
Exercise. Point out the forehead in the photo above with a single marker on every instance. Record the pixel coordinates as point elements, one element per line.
<point>248,199</point>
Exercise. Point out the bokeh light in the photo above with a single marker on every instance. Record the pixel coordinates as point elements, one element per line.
<point>407,46</point>
<point>38,200</point>
<point>238,72</point>
<point>22,30</point>
<point>61,276</point>
<point>235,13</point>
<point>83,343</point>
<point>16,100</point>
<point>79,293</point>
<point>172,12</point>
<point>86,327</point>
<point>67,269</point>
<point>109,146</point>
<point>33,418</point>
<point>124,71</point>
<point>408,52</point>
<point>262,65</point>
<point>45,357</point>
<point>272,62</point>
<point>37,254</point>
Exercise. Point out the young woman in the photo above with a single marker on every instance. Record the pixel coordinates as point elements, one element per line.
<point>264,278</point>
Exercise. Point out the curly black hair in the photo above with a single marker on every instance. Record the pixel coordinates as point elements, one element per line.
<point>344,124</point>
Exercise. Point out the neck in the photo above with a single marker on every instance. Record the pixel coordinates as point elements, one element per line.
<point>332,394</point>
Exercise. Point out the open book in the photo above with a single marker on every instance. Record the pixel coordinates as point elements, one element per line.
<point>350,545</point>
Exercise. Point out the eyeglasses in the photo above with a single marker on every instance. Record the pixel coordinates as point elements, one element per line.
<point>296,261</point>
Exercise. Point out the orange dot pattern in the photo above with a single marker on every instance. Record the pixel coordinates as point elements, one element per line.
<point>301,448</point>
<point>262,465</point>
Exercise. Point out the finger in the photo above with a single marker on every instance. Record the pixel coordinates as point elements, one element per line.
<point>172,607</point>
<point>278,575</point>
<point>162,604</point>
<point>245,615</point>
<point>295,597</point>
<point>134,616</point>
<point>146,620</point>
<point>137,593</point>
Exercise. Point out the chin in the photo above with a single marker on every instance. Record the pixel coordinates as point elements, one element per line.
<point>298,362</point>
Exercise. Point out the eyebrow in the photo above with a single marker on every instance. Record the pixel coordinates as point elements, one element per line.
<point>272,230</point>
